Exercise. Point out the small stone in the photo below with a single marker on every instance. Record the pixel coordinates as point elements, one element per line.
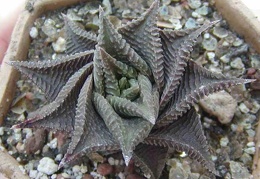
<point>104,169</point>
<point>49,28</point>
<point>237,63</point>
<point>34,32</point>
<point>237,42</point>
<point>224,141</point>
<point>245,158</point>
<point>53,143</point>
<point>206,36</point>
<point>255,108</point>
<point>250,144</point>
<point>47,166</point>
<point>111,161</point>
<point>225,59</point>
<point>238,171</point>
<point>65,175</point>
<point>211,55</point>
<point>58,157</point>
<point>255,60</point>
<point>59,45</point>
<point>250,150</point>
<point>76,168</point>
<point>210,44</point>
<point>220,32</point>
<point>1,131</point>
<point>35,142</point>
<point>178,172</point>
<point>242,107</point>
<point>83,169</point>
<point>33,173</point>
<point>204,10</point>
<point>221,105</point>
<point>191,23</point>
<point>250,133</point>
<point>194,4</point>
<point>195,14</point>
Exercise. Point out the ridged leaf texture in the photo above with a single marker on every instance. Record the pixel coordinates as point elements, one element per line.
<point>131,89</point>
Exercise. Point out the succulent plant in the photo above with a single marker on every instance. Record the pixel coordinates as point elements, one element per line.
<point>130,89</point>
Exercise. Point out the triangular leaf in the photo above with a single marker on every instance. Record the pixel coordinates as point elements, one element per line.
<point>51,75</point>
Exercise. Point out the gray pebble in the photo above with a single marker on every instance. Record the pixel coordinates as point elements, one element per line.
<point>237,63</point>
<point>204,10</point>
<point>210,44</point>
<point>194,4</point>
<point>34,32</point>
<point>220,32</point>
<point>191,23</point>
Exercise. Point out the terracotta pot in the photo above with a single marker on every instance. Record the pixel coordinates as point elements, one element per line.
<point>238,16</point>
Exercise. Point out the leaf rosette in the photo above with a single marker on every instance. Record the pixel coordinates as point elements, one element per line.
<point>130,89</point>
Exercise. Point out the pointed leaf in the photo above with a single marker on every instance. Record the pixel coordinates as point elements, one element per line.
<point>177,46</point>
<point>151,159</point>
<point>129,133</point>
<point>143,36</point>
<point>184,134</point>
<point>59,114</point>
<point>110,40</point>
<point>196,83</point>
<point>51,75</point>
<point>90,132</point>
<point>77,39</point>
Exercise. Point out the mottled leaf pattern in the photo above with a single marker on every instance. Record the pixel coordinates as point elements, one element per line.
<point>130,89</point>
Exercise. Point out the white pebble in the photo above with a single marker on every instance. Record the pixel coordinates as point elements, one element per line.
<point>242,107</point>
<point>27,132</point>
<point>206,36</point>
<point>250,150</point>
<point>84,169</point>
<point>58,157</point>
<point>53,143</point>
<point>224,141</point>
<point>111,161</point>
<point>47,166</point>
<point>225,59</point>
<point>34,32</point>
<point>211,55</point>
<point>214,158</point>
<point>65,175</point>
<point>237,63</point>
<point>1,131</point>
<point>54,176</point>
<point>250,144</point>
<point>76,169</point>
<point>255,108</point>
<point>59,45</point>
<point>121,175</point>
<point>250,133</point>
<point>33,173</point>
<point>237,42</point>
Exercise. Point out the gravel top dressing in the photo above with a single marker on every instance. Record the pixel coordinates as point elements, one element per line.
<point>229,117</point>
